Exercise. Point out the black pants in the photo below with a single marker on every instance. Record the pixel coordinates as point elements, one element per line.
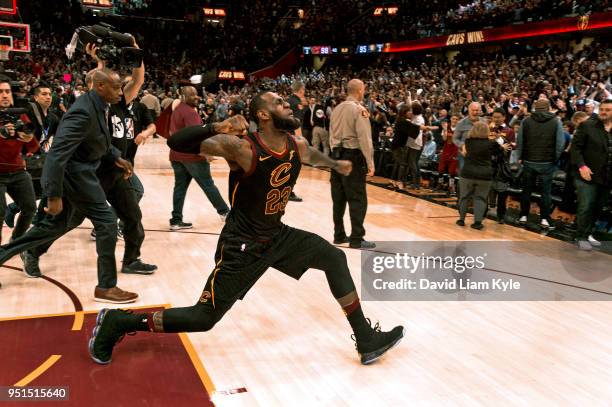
<point>413,166</point>
<point>241,261</point>
<point>123,197</point>
<point>39,238</point>
<point>20,188</point>
<point>531,171</point>
<point>351,190</point>
<point>40,210</point>
<point>502,198</point>
<point>400,156</point>
<point>591,200</point>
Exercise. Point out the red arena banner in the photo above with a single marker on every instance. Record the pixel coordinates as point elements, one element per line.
<point>571,24</point>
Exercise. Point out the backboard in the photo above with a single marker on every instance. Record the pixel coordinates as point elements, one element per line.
<point>20,34</point>
<point>8,6</point>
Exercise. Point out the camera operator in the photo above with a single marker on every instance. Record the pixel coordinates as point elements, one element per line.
<point>122,193</point>
<point>45,125</point>
<point>15,134</point>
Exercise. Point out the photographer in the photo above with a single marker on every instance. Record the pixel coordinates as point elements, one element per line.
<point>14,179</point>
<point>122,193</point>
<point>45,125</point>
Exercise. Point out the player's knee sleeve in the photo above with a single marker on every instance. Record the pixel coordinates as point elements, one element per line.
<point>197,318</point>
<point>337,272</point>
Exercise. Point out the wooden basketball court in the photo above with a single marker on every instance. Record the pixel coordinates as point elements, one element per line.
<point>288,342</point>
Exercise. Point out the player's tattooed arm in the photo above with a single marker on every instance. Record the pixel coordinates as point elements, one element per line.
<point>316,158</point>
<point>232,148</point>
<point>195,139</point>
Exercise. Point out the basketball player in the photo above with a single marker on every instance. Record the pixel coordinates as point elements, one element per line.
<point>264,168</point>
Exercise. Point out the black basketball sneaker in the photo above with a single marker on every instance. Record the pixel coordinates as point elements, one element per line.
<point>378,343</point>
<point>106,334</point>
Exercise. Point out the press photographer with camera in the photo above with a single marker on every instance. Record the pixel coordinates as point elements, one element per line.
<point>45,125</point>
<point>16,134</point>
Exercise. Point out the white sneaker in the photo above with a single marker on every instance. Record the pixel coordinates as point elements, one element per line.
<point>594,242</point>
<point>584,245</point>
<point>523,220</point>
<point>544,223</point>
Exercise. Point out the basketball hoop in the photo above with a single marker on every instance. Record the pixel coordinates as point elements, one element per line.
<point>4,52</point>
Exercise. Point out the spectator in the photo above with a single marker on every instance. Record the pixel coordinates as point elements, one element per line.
<point>592,157</point>
<point>320,135</point>
<point>403,131</point>
<point>152,103</point>
<point>415,146</point>
<point>476,174</point>
<point>464,126</point>
<point>539,146</point>
<point>190,166</point>
<point>448,159</point>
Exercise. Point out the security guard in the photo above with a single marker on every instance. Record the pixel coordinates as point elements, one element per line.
<point>351,139</point>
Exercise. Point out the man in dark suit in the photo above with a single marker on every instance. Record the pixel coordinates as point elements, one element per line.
<point>74,193</point>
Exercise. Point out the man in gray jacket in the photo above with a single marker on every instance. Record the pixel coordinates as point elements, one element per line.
<point>464,126</point>
<point>540,143</point>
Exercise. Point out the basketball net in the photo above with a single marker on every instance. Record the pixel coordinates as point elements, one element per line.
<point>4,52</point>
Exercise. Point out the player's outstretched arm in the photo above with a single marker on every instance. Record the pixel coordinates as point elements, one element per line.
<point>207,140</point>
<point>316,158</point>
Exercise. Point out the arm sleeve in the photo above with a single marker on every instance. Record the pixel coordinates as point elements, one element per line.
<point>188,140</point>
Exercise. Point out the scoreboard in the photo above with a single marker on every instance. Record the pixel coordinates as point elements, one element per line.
<point>331,50</point>
<point>100,4</point>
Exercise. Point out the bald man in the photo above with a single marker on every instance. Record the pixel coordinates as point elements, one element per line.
<point>188,166</point>
<point>74,192</point>
<point>351,139</point>
<point>464,126</point>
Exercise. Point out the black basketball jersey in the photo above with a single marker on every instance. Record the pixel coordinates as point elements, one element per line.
<point>258,197</point>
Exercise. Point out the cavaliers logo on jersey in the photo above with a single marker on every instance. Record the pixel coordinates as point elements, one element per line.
<point>280,175</point>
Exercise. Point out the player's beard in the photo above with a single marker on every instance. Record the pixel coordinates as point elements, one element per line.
<point>286,124</point>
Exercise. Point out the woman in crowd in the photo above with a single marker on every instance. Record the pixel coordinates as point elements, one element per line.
<point>476,174</point>
<point>403,130</point>
<point>448,163</point>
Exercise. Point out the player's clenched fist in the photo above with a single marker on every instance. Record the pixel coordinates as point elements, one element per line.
<point>235,125</point>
